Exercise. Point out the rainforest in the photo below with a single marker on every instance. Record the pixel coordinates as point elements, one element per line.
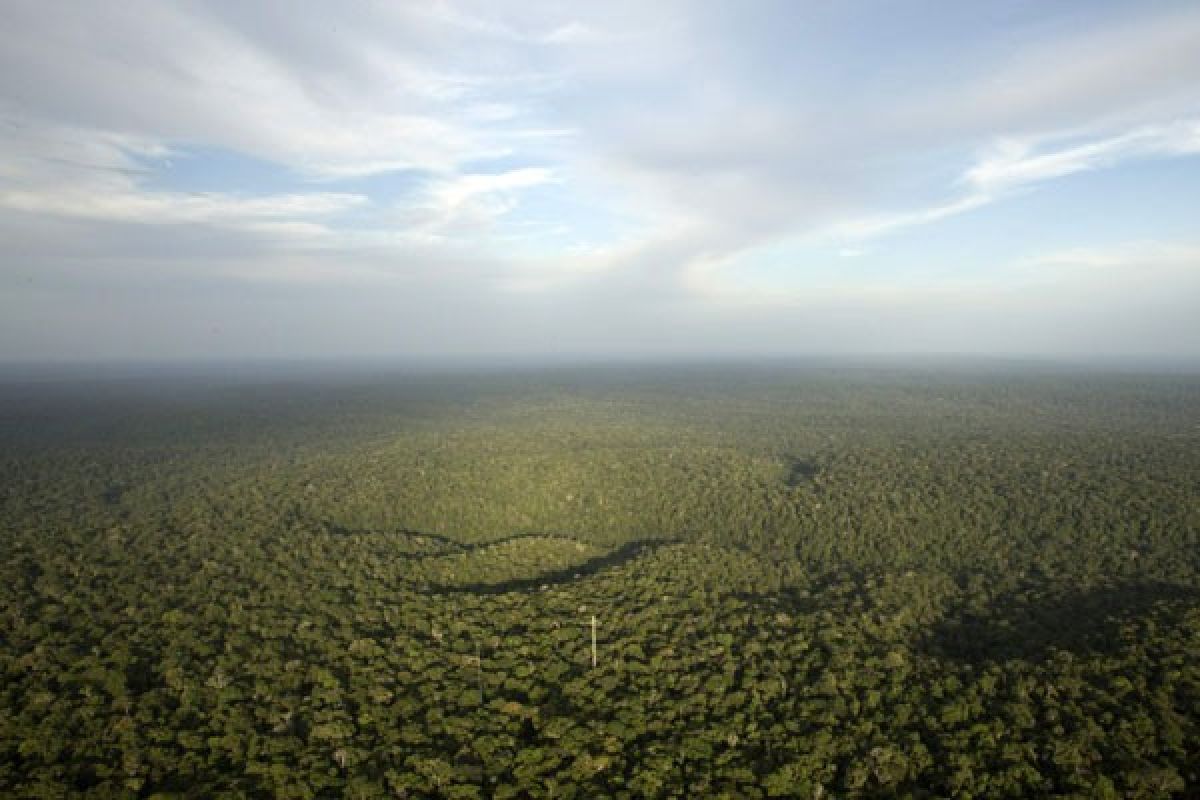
<point>675,581</point>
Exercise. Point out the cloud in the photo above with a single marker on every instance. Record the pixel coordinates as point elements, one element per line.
<point>574,33</point>
<point>70,172</point>
<point>1087,70</point>
<point>557,168</point>
<point>458,190</point>
<point>331,101</point>
<point>739,152</point>
<point>467,207</point>
<point>174,208</point>
<point>1011,164</point>
<point>1017,163</point>
<point>1138,262</point>
<point>1133,298</point>
<point>870,227</point>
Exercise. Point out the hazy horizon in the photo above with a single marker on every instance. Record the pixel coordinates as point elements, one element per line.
<point>544,183</point>
<point>309,370</point>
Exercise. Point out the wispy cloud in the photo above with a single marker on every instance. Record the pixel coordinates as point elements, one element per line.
<point>173,208</point>
<point>1014,163</point>
<point>870,227</point>
<point>275,85</point>
<point>98,175</point>
<point>576,163</point>
<point>1136,262</point>
<point>469,205</point>
<point>574,33</point>
<point>458,190</point>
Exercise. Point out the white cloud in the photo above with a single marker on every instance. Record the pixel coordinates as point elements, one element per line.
<point>1010,164</point>
<point>681,137</point>
<point>1136,262</point>
<point>1015,163</point>
<point>1118,71</point>
<point>152,208</point>
<point>879,225</point>
<point>454,192</point>
<point>1123,281</point>
<point>469,205</point>
<point>340,101</point>
<point>575,33</point>
<point>71,172</point>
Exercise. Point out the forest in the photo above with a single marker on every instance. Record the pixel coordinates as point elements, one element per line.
<point>807,581</point>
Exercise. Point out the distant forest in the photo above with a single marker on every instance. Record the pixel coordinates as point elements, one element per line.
<point>806,582</point>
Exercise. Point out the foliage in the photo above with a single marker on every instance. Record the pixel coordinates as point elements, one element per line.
<point>809,582</point>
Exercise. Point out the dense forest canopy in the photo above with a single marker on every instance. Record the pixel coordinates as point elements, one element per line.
<point>808,581</point>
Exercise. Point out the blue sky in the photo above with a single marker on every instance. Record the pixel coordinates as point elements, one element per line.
<point>216,180</point>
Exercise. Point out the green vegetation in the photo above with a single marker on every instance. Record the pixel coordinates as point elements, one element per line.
<point>809,582</point>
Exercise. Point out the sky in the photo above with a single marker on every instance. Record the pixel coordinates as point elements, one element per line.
<point>218,180</point>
